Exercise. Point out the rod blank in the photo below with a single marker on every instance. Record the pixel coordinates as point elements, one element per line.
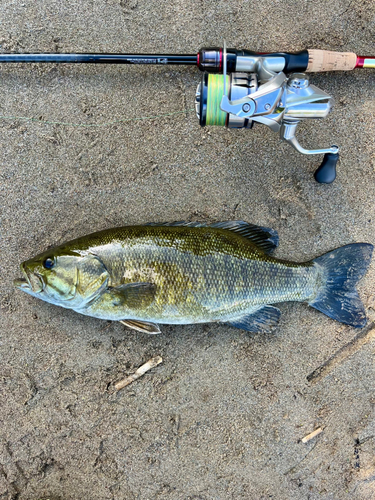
<point>162,59</point>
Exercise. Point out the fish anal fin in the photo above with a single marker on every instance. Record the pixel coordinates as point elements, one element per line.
<point>141,326</point>
<point>261,321</point>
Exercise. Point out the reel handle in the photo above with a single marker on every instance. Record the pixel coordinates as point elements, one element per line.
<point>326,173</point>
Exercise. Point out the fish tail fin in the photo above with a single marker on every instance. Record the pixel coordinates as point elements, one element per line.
<point>337,296</point>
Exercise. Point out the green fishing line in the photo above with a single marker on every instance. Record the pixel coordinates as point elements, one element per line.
<point>215,91</point>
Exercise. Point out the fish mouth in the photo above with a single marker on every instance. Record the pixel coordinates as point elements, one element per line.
<point>30,282</point>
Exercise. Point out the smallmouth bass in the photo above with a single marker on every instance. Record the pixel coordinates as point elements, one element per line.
<point>184,272</point>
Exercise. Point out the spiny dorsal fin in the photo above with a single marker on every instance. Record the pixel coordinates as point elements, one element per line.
<point>264,238</point>
<point>178,223</point>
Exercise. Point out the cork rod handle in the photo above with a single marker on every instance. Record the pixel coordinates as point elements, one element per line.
<point>326,60</point>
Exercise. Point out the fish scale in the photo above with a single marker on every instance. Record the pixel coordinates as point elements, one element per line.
<point>185,266</point>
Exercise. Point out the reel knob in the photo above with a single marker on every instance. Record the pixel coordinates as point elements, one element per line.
<point>326,173</point>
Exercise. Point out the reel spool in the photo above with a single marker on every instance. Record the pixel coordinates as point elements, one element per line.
<point>210,93</point>
<point>280,103</point>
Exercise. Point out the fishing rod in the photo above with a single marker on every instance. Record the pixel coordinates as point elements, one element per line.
<point>240,87</point>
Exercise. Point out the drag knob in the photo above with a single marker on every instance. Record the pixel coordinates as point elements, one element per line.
<point>326,173</point>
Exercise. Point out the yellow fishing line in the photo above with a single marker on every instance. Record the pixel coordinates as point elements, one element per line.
<point>87,125</point>
<point>215,91</point>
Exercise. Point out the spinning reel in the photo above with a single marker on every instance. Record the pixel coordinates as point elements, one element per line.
<point>265,95</point>
<point>240,87</point>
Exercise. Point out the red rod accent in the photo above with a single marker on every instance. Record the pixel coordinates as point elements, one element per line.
<point>198,57</point>
<point>221,59</point>
<point>360,62</point>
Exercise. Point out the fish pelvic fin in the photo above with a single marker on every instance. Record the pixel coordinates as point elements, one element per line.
<point>141,326</point>
<point>337,296</point>
<point>263,320</point>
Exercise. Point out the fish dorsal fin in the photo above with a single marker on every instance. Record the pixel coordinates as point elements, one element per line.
<point>178,223</point>
<point>134,295</point>
<point>264,238</point>
<point>142,326</point>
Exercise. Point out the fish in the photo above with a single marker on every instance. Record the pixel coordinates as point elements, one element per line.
<point>190,272</point>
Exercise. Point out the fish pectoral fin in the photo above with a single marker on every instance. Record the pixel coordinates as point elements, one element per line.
<point>134,295</point>
<point>261,321</point>
<point>141,326</point>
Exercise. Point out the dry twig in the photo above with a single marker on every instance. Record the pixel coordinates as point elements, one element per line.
<point>310,436</point>
<point>151,363</point>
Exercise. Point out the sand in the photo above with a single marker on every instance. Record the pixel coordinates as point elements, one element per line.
<point>223,416</point>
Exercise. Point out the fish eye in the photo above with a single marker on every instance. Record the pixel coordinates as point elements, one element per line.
<point>48,263</point>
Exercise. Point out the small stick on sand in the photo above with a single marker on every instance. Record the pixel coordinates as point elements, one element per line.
<point>151,363</point>
<point>310,436</point>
